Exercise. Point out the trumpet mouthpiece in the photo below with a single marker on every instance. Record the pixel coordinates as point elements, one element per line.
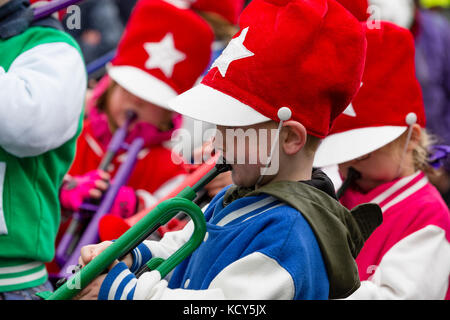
<point>131,115</point>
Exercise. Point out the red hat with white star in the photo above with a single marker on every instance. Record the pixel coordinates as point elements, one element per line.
<point>388,103</point>
<point>163,52</point>
<point>307,56</point>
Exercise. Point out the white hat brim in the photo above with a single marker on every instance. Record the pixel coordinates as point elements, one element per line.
<point>142,85</point>
<point>210,105</point>
<point>349,145</point>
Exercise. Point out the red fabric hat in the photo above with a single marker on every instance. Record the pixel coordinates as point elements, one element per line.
<point>389,101</point>
<point>163,51</point>
<point>227,9</point>
<point>301,54</point>
<point>357,7</point>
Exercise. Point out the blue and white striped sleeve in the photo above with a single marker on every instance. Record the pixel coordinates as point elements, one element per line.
<point>119,284</point>
<point>141,255</point>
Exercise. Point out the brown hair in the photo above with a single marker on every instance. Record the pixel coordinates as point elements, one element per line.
<point>311,145</point>
<point>223,30</point>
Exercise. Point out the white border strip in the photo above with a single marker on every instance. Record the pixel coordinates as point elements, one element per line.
<point>242,211</point>
<point>28,278</point>
<point>416,187</point>
<point>3,228</point>
<point>20,268</point>
<point>397,186</point>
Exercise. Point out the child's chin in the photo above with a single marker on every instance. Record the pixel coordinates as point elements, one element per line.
<point>241,181</point>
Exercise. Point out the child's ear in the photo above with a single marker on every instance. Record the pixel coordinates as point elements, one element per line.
<point>416,136</point>
<point>295,137</point>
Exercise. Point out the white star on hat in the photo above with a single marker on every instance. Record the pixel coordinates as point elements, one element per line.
<point>163,55</point>
<point>350,111</point>
<point>234,51</point>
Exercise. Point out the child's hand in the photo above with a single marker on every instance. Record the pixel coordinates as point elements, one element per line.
<point>92,290</point>
<point>218,183</point>
<point>88,253</point>
<point>91,251</point>
<point>91,185</point>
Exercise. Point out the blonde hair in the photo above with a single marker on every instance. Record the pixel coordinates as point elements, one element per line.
<point>421,154</point>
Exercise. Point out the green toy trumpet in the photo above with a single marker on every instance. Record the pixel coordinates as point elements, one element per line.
<point>159,216</point>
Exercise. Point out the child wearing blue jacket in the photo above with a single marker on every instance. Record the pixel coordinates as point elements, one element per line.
<point>278,232</point>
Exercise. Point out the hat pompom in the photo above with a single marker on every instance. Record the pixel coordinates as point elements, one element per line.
<point>411,118</point>
<point>284,114</point>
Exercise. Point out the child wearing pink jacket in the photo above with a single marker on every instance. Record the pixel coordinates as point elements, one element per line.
<point>382,149</point>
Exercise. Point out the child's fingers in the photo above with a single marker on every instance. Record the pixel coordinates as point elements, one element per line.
<point>213,192</point>
<point>221,181</point>
<point>101,185</point>
<point>104,175</point>
<point>95,194</point>
<point>216,183</point>
<point>100,248</point>
<point>89,252</point>
<point>86,255</point>
<point>92,290</point>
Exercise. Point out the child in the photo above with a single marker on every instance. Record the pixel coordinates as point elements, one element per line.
<point>273,235</point>
<point>381,136</point>
<point>431,31</point>
<point>157,58</point>
<point>42,81</point>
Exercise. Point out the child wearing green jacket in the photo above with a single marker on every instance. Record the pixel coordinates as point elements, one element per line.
<point>42,89</point>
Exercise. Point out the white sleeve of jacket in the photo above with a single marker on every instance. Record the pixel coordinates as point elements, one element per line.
<point>415,268</point>
<point>41,99</point>
<point>163,248</point>
<point>171,242</point>
<point>244,279</point>
<point>152,199</point>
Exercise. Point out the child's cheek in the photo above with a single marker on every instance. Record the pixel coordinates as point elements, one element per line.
<point>115,108</point>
